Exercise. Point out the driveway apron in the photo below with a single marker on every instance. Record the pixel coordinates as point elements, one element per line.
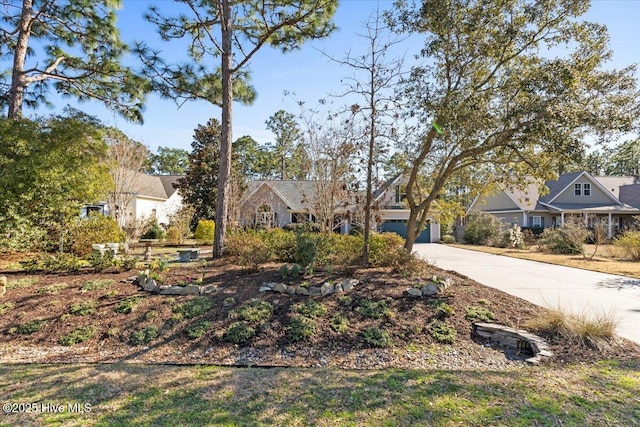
<point>553,286</point>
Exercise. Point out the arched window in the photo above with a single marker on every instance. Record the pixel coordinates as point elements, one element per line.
<point>265,217</point>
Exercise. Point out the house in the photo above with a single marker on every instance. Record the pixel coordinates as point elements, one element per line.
<point>280,203</point>
<point>611,200</point>
<point>149,196</point>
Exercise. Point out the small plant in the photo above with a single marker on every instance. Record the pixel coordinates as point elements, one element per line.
<point>98,284</point>
<point>128,305</point>
<point>301,328</point>
<point>479,313</point>
<point>295,270</point>
<point>111,294</point>
<point>101,262</point>
<point>345,300</point>
<point>205,230</point>
<point>229,301</point>
<point>376,337</point>
<point>151,314</point>
<point>21,283</point>
<point>31,327</point>
<point>5,307</point>
<point>284,271</point>
<point>65,317</point>
<point>113,332</point>
<point>78,335</point>
<point>160,264</point>
<point>484,301</point>
<point>127,263</point>
<point>339,323</point>
<point>197,329</point>
<point>144,336</point>
<point>83,308</point>
<point>52,289</point>
<point>255,311</point>
<point>239,332</point>
<point>310,309</point>
<point>373,309</point>
<point>154,275</point>
<point>305,284</point>
<point>194,307</point>
<point>444,310</point>
<point>443,333</point>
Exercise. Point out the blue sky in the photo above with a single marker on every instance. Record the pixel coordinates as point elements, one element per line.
<point>306,72</point>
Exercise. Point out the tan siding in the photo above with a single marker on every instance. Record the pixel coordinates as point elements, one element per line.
<point>495,202</point>
<point>568,195</point>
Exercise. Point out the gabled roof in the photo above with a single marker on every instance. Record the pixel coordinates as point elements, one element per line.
<point>558,186</point>
<point>395,180</point>
<point>295,194</point>
<point>158,187</point>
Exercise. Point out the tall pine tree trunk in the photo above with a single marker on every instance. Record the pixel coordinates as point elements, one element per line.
<point>18,83</point>
<point>225,131</point>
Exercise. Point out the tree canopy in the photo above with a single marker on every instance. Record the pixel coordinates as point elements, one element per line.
<point>72,46</point>
<point>168,161</point>
<point>494,96</point>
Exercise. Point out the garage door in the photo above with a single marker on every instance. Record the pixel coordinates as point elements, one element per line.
<point>400,227</point>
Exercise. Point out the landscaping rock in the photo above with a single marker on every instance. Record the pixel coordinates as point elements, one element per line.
<point>315,291</point>
<point>338,288</point>
<point>3,285</point>
<point>326,289</point>
<point>191,290</point>
<point>301,290</point>
<point>430,290</point>
<point>413,292</point>
<point>264,289</point>
<point>291,290</point>
<point>172,290</point>
<point>270,285</point>
<point>150,285</point>
<point>208,289</point>
<point>279,287</point>
<point>348,284</point>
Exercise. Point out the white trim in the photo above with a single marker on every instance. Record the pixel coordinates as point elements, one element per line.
<point>568,186</point>
<point>594,181</point>
<point>512,199</point>
<point>473,204</point>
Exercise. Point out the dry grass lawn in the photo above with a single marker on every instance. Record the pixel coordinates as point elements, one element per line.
<point>608,258</point>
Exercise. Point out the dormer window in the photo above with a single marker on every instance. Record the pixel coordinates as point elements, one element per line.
<point>586,189</point>
<point>577,189</point>
<point>582,189</point>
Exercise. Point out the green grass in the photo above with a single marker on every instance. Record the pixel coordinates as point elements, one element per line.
<point>604,394</point>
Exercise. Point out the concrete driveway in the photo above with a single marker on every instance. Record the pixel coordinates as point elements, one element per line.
<point>551,286</point>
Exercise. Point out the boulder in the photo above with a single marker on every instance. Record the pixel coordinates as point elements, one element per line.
<point>172,290</point>
<point>150,285</point>
<point>279,287</point>
<point>269,285</point>
<point>191,290</point>
<point>315,291</point>
<point>413,292</point>
<point>291,290</point>
<point>326,289</point>
<point>430,289</point>
<point>301,290</point>
<point>338,288</point>
<point>264,289</point>
<point>348,284</point>
<point>208,289</point>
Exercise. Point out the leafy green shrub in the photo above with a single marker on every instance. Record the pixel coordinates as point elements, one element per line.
<point>128,305</point>
<point>281,244</point>
<point>339,323</point>
<point>310,309</point>
<point>19,234</point>
<point>481,228</point>
<point>78,335</point>
<point>373,309</point>
<point>376,337</point>
<point>444,310</point>
<point>100,262</point>
<point>153,230</point>
<point>95,229</point>
<point>255,310</point>
<point>479,313</point>
<point>59,263</point>
<point>194,307</point>
<point>239,332</point>
<point>568,239</point>
<point>205,230</point>
<point>144,336</point>
<point>629,242</point>
<point>248,247</point>
<point>337,249</point>
<point>384,249</point>
<point>306,251</point>
<point>447,239</point>
<point>97,284</point>
<point>301,328</point>
<point>180,225</point>
<point>127,263</point>
<point>443,333</point>
<point>197,329</point>
<point>31,327</point>
<point>83,308</point>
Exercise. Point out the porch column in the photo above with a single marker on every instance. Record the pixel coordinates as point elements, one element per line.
<point>586,220</point>
<point>561,219</point>
<point>610,233</point>
<point>524,219</point>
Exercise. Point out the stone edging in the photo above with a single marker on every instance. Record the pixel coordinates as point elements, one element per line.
<point>150,285</point>
<point>432,288</point>
<point>326,288</point>
<point>513,338</point>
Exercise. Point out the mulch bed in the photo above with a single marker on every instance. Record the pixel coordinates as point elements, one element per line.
<point>408,324</point>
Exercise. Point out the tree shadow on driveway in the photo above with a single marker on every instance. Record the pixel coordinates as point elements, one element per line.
<point>620,283</point>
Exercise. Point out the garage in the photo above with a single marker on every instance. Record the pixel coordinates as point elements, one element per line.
<point>399,226</point>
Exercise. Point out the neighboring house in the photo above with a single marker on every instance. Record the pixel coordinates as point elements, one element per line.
<point>279,203</point>
<point>610,200</point>
<point>151,197</point>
